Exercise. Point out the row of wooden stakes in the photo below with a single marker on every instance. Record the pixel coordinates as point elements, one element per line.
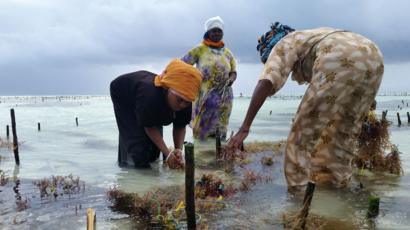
<point>14,131</point>
<point>399,120</point>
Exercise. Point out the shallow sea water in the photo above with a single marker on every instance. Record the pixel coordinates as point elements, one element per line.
<point>90,151</point>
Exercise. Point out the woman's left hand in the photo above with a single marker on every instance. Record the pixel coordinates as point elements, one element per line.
<point>236,141</point>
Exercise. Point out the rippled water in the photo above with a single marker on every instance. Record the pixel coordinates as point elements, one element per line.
<point>90,151</point>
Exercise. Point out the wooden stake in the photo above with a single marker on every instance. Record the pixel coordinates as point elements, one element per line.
<point>190,185</point>
<point>310,189</point>
<point>408,117</point>
<point>15,140</point>
<point>398,119</point>
<point>384,114</point>
<point>218,143</point>
<point>76,121</point>
<point>91,219</point>
<point>7,132</point>
<point>38,126</point>
<point>373,209</point>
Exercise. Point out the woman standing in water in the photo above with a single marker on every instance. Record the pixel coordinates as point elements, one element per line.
<point>213,105</point>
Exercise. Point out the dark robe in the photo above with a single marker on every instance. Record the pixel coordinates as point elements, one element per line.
<point>138,103</point>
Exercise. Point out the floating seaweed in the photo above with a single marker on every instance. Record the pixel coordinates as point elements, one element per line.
<point>22,204</point>
<point>149,208</point>
<point>393,162</point>
<point>211,186</point>
<point>267,160</point>
<point>164,207</point>
<point>250,179</point>
<point>2,143</point>
<point>3,178</point>
<point>59,185</point>
<point>262,146</point>
<point>313,221</point>
<point>232,154</point>
<point>210,191</point>
<point>6,144</point>
<point>229,157</point>
<point>229,154</point>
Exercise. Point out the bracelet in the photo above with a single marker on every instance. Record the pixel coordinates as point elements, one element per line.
<point>169,155</point>
<point>172,153</point>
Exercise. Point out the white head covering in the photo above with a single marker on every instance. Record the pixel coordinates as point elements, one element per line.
<point>214,22</point>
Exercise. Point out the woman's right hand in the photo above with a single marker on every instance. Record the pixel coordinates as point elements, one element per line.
<point>175,155</point>
<point>232,78</point>
<point>236,141</point>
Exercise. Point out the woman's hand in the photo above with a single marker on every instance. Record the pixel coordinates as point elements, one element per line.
<point>174,160</point>
<point>232,78</point>
<point>176,153</point>
<point>262,91</point>
<point>236,141</point>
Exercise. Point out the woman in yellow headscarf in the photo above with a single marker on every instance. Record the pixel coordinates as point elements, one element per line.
<point>144,102</point>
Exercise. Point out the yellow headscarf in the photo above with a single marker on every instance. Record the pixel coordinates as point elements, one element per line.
<point>181,77</point>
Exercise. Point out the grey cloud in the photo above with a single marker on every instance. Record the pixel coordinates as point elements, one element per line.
<point>75,38</point>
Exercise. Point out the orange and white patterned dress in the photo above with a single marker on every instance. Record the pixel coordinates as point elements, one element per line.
<point>344,71</point>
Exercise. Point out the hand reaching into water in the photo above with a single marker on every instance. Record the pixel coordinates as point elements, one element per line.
<point>174,159</point>
<point>263,89</point>
<point>236,141</point>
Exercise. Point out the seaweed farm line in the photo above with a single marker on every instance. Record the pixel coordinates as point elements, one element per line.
<point>77,144</point>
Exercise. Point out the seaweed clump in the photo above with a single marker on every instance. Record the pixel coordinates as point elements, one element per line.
<point>210,191</point>
<point>262,146</point>
<point>393,162</point>
<point>251,178</point>
<point>290,221</point>
<point>3,178</point>
<point>267,160</point>
<point>6,144</point>
<point>211,186</point>
<point>165,208</point>
<point>22,204</point>
<point>159,208</point>
<point>232,155</point>
<point>59,185</point>
<point>372,144</point>
<point>148,208</point>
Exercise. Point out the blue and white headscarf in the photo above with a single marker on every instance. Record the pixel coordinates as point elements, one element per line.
<point>269,39</point>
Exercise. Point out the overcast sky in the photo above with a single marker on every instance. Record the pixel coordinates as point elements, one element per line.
<point>77,47</point>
